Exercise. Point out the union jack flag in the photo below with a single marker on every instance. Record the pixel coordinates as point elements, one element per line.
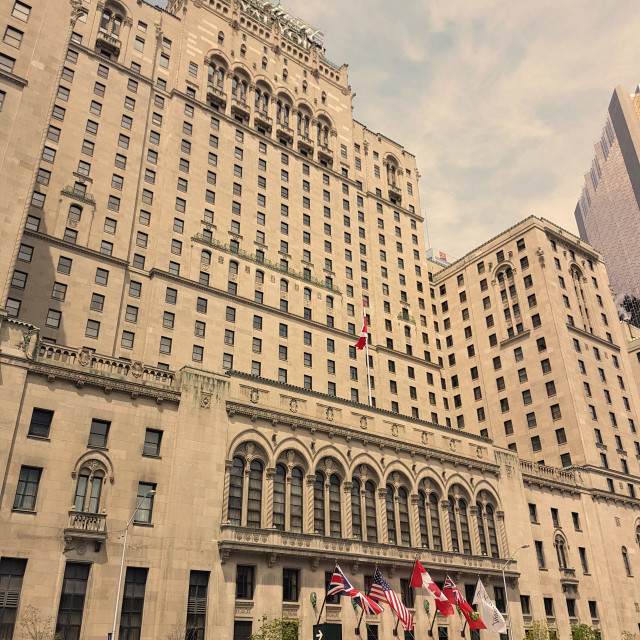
<point>381,590</point>
<point>340,586</point>
<point>455,597</point>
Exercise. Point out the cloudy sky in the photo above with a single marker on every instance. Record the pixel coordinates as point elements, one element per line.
<point>501,102</point>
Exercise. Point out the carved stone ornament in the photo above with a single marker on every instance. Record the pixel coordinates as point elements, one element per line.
<point>394,429</point>
<point>205,401</point>
<point>84,358</point>
<point>293,405</point>
<point>254,396</point>
<point>220,260</point>
<point>329,414</point>
<point>363,422</point>
<point>136,369</point>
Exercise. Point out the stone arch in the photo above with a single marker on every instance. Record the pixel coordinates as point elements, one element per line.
<point>302,457</point>
<point>219,57</point>
<point>459,481</point>
<point>399,472</point>
<point>428,480</point>
<point>502,266</point>
<point>485,492</point>
<point>95,459</point>
<point>330,461</point>
<point>365,469</point>
<point>254,437</point>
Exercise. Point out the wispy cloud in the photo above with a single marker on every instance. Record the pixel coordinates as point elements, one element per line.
<point>501,102</point>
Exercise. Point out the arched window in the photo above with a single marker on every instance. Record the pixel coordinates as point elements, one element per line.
<point>117,24</point>
<point>262,101</point>
<point>205,257</point>
<point>464,527</point>
<point>453,525</point>
<point>403,517</point>
<point>75,212</point>
<point>323,98</point>
<point>356,509</point>
<point>307,293</point>
<point>304,86</point>
<point>254,499</point>
<point>259,277</point>
<point>284,285</point>
<point>303,124</point>
<point>236,480</point>
<point>481,531</point>
<point>625,560</point>
<point>318,504</point>
<point>335,516</point>
<point>220,37</point>
<point>391,516</point>
<point>429,517</point>
<point>434,512</point>
<point>233,267</point>
<point>104,21</point>
<point>459,522</point>
<point>243,51</point>
<point>296,505</point>
<point>561,552</point>
<point>215,77</point>
<point>329,302</point>
<point>279,497</point>
<point>88,490</point>
<point>638,535</point>
<point>491,531</point>
<point>239,89</point>
<point>285,74</point>
<point>283,110</point>
<point>370,511</point>
<point>264,63</point>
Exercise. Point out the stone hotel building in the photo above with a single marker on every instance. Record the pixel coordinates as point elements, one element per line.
<point>191,220</point>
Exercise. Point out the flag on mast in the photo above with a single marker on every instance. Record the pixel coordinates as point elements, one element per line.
<point>420,578</point>
<point>455,597</point>
<point>340,586</point>
<point>362,342</point>
<point>381,590</point>
<point>493,619</point>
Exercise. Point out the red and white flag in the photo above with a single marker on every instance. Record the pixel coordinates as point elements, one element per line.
<point>363,334</point>
<point>455,597</point>
<point>381,590</point>
<point>420,578</point>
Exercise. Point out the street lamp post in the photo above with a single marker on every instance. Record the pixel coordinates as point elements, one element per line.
<point>112,635</point>
<point>504,582</point>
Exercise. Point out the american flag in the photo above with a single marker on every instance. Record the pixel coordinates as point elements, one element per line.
<point>339,586</point>
<point>381,590</point>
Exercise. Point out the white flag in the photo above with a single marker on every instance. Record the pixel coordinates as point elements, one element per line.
<point>488,610</point>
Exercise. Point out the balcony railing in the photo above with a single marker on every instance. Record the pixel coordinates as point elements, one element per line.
<point>243,540</point>
<point>568,576</point>
<point>216,95</point>
<point>78,194</point>
<point>261,117</point>
<point>240,107</point>
<point>84,359</point>
<point>264,262</point>
<point>405,317</point>
<point>108,41</point>
<point>543,471</point>
<point>87,526</point>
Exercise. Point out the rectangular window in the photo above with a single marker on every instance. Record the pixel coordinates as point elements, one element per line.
<point>146,492</point>
<point>133,602</point>
<point>11,576</point>
<point>27,489</point>
<point>197,604</point>
<point>290,585</point>
<point>99,433</point>
<point>244,582</point>
<point>74,591</point>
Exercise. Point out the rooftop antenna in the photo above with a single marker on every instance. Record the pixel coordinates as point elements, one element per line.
<point>426,226</point>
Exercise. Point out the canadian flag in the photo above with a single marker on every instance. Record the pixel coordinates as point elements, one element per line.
<point>363,334</point>
<point>421,579</point>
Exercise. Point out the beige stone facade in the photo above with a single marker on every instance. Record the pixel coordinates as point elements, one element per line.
<point>191,222</point>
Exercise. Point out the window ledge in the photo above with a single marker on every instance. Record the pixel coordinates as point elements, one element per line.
<point>143,524</point>
<point>12,77</point>
<point>149,455</point>
<point>29,511</point>
<point>97,447</point>
<point>43,438</point>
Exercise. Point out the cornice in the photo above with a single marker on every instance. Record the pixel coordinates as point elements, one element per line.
<point>590,336</point>
<point>349,434</point>
<point>12,77</point>
<point>75,247</point>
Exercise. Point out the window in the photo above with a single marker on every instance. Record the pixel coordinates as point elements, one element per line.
<point>146,493</point>
<point>290,585</point>
<point>133,602</point>
<point>98,433</point>
<point>71,608</point>
<point>27,489</point>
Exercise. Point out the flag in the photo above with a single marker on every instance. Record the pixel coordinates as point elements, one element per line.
<point>420,578</point>
<point>363,334</point>
<point>455,597</point>
<point>492,617</point>
<point>339,586</point>
<point>381,590</point>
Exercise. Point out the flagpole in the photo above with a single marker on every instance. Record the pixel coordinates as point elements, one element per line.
<point>463,628</point>
<point>435,614</point>
<point>366,344</point>
<point>359,621</point>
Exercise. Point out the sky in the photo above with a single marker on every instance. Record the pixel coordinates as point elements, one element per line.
<point>500,102</point>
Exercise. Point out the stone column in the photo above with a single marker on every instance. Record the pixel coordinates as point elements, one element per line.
<point>268,501</point>
<point>308,498</point>
<point>287,503</point>
<point>502,535</point>
<point>446,527</point>
<point>225,491</point>
<point>245,492</point>
<point>347,527</point>
<point>414,517</point>
<point>382,513</point>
